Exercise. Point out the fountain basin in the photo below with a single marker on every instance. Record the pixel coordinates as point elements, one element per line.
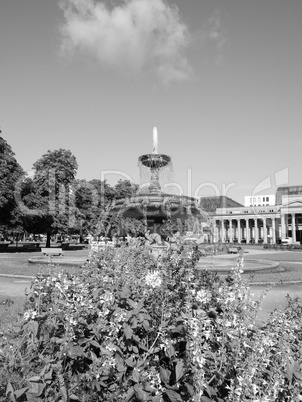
<point>154,161</point>
<point>160,205</point>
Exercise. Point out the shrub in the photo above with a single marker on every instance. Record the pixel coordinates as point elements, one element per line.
<point>133,328</point>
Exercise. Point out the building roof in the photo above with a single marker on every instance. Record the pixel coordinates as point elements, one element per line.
<point>210,204</point>
<point>287,190</point>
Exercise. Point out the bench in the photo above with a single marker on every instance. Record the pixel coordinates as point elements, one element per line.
<point>52,251</point>
<point>64,246</point>
<point>28,247</point>
<point>233,250</point>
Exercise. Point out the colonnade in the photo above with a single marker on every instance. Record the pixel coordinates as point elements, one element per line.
<point>268,229</point>
<point>256,228</point>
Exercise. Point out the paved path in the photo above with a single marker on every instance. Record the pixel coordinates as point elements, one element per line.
<point>275,298</point>
<point>13,287</point>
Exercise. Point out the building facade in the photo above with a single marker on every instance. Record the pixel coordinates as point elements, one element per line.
<point>262,224</point>
<point>259,200</point>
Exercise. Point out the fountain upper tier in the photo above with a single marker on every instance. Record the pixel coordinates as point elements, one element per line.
<point>154,161</point>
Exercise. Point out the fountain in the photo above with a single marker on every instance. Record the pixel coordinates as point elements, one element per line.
<point>155,162</point>
<point>151,204</point>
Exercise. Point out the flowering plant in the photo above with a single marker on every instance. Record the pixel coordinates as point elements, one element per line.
<point>132,328</point>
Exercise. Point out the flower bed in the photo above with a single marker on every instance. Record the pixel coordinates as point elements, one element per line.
<point>131,327</point>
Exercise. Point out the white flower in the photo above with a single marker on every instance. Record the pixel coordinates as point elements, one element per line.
<point>30,314</point>
<point>202,296</point>
<point>153,279</point>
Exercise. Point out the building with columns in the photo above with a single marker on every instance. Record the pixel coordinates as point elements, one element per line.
<point>261,224</point>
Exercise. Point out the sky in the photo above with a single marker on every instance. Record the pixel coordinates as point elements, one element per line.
<point>220,79</point>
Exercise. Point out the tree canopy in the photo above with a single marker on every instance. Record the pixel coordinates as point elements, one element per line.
<point>53,201</point>
<point>49,195</point>
<point>61,163</point>
<point>125,188</point>
<point>10,173</point>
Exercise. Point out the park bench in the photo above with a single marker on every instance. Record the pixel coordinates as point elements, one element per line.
<point>233,250</point>
<point>64,246</point>
<point>52,251</point>
<point>30,246</point>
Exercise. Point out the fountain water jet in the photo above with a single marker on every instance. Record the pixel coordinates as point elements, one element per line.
<point>155,162</point>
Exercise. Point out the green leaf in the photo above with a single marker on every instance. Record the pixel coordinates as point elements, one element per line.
<point>35,378</point>
<point>36,390</point>
<point>75,351</point>
<point>135,349</point>
<point>140,362</point>
<point>130,362</point>
<point>140,305</point>
<point>95,343</point>
<point>120,363</point>
<point>128,331</point>
<point>131,303</point>
<point>134,322</point>
<point>33,326</point>
<point>135,375</point>
<point>290,370</point>
<point>148,388</point>
<point>173,395</point>
<point>170,351</point>
<point>129,394</point>
<point>205,399</point>
<point>10,392</point>
<point>165,375</point>
<point>96,384</point>
<point>125,293</point>
<point>211,391</point>
<point>140,394</point>
<point>189,388</point>
<point>48,376</point>
<point>21,392</point>
<point>179,370</point>
<point>146,325</point>
<point>179,329</point>
<point>157,398</point>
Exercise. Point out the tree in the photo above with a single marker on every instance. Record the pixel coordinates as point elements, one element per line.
<point>105,192</point>
<point>49,197</point>
<point>125,188</point>
<point>10,173</point>
<point>93,202</point>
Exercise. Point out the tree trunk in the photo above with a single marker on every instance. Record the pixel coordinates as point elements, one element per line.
<point>48,234</point>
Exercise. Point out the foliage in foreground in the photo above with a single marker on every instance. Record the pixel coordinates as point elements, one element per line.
<point>132,328</point>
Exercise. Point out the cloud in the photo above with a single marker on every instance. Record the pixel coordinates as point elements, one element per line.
<point>214,35</point>
<point>135,35</point>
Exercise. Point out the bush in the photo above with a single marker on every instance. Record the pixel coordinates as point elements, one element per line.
<point>133,328</point>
